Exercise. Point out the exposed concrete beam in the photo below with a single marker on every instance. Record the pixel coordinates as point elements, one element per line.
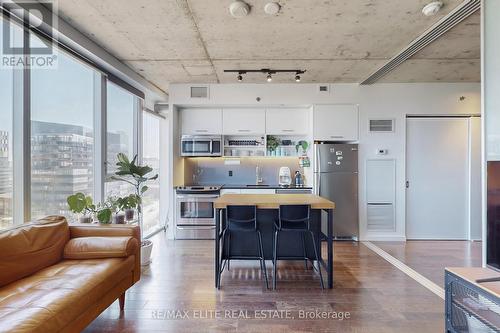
<point>184,5</point>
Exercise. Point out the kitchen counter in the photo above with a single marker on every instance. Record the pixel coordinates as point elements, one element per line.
<point>273,201</point>
<point>270,186</point>
<point>267,213</point>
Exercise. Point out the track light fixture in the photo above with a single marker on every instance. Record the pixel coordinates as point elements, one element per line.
<point>268,71</point>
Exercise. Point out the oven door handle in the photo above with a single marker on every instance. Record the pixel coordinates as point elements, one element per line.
<point>197,196</point>
<point>196,228</point>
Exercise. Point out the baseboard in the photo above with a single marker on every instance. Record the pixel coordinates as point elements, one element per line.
<point>382,238</point>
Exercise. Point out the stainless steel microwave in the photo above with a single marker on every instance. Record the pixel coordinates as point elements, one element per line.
<point>201,145</point>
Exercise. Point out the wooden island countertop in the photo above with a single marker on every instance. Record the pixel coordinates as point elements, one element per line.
<point>273,201</point>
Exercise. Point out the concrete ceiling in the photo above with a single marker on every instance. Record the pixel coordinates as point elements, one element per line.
<point>185,41</point>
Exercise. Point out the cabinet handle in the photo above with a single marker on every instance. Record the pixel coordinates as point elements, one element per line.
<point>201,130</point>
<point>243,130</point>
<point>336,136</point>
<point>288,130</point>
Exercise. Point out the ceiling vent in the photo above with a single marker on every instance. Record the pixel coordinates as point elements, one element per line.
<point>460,13</point>
<point>381,125</point>
<point>199,92</point>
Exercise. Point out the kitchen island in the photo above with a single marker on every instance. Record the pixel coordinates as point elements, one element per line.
<point>267,213</point>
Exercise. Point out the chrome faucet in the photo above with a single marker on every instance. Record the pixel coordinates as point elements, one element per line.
<point>258,176</point>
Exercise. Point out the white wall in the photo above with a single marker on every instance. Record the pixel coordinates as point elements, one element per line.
<point>380,100</point>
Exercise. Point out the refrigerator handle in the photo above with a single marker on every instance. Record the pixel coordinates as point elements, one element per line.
<point>317,181</point>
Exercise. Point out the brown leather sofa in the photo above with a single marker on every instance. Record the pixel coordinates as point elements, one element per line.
<point>56,277</point>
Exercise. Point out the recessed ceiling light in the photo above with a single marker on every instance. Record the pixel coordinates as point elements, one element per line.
<point>239,9</point>
<point>297,78</point>
<point>240,78</point>
<point>269,77</point>
<point>272,8</point>
<point>432,8</point>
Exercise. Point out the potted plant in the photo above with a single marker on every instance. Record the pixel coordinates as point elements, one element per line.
<point>302,144</point>
<point>128,204</point>
<point>79,203</point>
<point>136,175</point>
<point>272,143</point>
<point>104,212</point>
<point>115,206</point>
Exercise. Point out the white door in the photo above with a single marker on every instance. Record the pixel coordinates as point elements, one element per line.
<point>437,169</point>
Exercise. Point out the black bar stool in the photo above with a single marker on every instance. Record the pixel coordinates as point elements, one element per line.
<point>242,219</point>
<point>295,218</point>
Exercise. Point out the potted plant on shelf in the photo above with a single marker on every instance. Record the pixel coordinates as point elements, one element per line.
<point>127,205</point>
<point>272,143</point>
<point>79,203</point>
<point>104,212</point>
<point>115,206</point>
<point>136,175</point>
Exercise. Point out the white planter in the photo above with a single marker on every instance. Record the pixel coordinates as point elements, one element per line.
<point>146,248</point>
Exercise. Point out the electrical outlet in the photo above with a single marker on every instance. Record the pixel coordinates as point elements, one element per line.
<point>230,173</point>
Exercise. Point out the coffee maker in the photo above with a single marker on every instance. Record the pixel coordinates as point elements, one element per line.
<point>285,177</point>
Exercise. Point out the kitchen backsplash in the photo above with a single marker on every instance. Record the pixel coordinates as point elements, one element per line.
<point>214,171</point>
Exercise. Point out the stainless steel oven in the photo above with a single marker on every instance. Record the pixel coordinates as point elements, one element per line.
<point>195,212</point>
<point>201,145</point>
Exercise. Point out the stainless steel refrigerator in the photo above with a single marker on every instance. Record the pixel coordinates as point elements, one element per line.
<point>336,179</point>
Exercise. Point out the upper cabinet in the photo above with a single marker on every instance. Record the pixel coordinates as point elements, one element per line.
<point>244,121</point>
<point>201,121</point>
<point>335,122</point>
<point>287,121</point>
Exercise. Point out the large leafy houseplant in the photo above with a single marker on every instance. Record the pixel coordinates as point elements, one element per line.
<point>137,176</point>
<point>80,203</point>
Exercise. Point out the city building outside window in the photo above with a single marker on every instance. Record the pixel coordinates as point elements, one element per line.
<point>62,135</point>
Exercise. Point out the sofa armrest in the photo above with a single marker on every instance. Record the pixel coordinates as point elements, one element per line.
<point>110,230</point>
<point>100,247</point>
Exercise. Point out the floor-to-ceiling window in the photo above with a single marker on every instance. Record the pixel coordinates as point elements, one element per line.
<point>62,135</point>
<point>52,142</point>
<point>151,156</point>
<point>121,119</point>
<point>6,139</point>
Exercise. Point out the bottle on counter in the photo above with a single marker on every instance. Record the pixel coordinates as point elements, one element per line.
<point>299,182</point>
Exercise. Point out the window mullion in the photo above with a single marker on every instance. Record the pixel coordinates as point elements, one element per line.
<point>99,136</point>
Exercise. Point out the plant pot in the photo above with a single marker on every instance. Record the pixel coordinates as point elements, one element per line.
<point>146,248</point>
<point>119,219</point>
<point>129,214</point>
<point>85,219</point>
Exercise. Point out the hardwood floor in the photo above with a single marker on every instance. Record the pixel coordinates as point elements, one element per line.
<point>430,258</point>
<point>378,297</point>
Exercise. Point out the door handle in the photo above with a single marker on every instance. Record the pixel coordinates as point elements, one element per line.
<point>407,184</point>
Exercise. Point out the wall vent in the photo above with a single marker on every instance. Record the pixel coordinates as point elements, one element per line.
<point>199,92</point>
<point>457,15</point>
<point>381,125</point>
<point>323,88</point>
<point>380,217</point>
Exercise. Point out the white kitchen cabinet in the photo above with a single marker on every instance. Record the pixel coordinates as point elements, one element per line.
<point>335,122</point>
<point>287,121</point>
<point>244,121</point>
<point>201,121</point>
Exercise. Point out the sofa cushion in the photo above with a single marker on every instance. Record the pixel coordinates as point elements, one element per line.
<point>100,247</point>
<point>52,298</point>
<point>29,247</point>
